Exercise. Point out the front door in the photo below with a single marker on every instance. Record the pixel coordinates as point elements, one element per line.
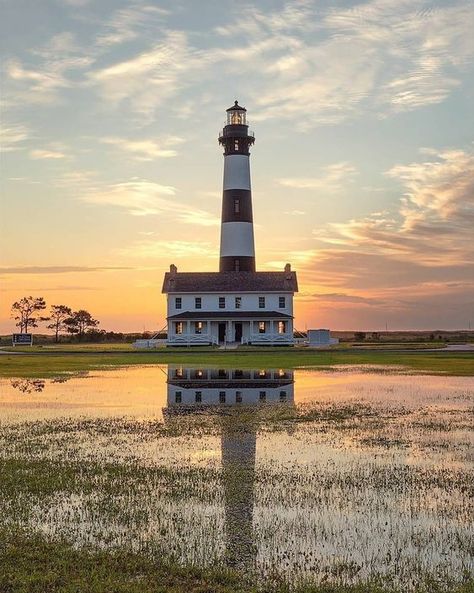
<point>238,332</point>
<point>222,332</point>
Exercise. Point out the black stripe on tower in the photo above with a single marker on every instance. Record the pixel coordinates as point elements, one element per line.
<point>238,263</point>
<point>237,205</point>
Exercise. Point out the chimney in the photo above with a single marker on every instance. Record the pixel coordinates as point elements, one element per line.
<point>288,268</point>
<point>173,269</point>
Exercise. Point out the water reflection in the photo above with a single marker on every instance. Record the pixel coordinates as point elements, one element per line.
<point>238,397</point>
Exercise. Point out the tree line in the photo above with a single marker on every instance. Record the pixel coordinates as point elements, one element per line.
<point>28,313</point>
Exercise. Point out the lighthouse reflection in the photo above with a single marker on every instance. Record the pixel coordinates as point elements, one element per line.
<point>240,399</point>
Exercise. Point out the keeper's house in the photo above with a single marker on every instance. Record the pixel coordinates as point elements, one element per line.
<point>236,305</point>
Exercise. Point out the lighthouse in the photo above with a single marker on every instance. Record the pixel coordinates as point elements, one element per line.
<point>237,249</point>
<point>238,304</point>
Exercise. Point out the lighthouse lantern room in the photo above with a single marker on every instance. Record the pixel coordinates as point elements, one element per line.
<point>237,304</point>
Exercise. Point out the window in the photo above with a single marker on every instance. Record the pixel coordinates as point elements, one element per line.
<point>282,374</point>
<point>178,397</point>
<point>178,302</point>
<point>281,302</point>
<point>221,302</point>
<point>198,325</point>
<point>236,145</point>
<point>262,373</point>
<point>236,206</point>
<point>282,396</point>
<point>238,397</point>
<point>238,302</point>
<point>237,265</point>
<point>222,397</point>
<point>222,374</point>
<point>178,326</point>
<point>261,327</point>
<point>198,374</point>
<point>261,302</point>
<point>178,373</point>
<point>282,327</point>
<point>262,396</point>
<point>197,302</point>
<point>238,374</point>
<point>198,397</point>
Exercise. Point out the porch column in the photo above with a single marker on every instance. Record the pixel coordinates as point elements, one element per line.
<point>188,330</point>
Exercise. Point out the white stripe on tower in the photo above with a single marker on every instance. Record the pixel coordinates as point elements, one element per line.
<point>237,251</point>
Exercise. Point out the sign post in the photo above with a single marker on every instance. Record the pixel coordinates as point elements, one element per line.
<point>22,339</point>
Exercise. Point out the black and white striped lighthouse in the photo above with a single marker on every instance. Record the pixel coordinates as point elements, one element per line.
<point>237,253</point>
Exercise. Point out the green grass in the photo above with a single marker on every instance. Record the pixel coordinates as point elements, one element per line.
<point>52,364</point>
<point>30,563</point>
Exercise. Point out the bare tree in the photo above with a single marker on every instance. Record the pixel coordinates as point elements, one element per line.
<point>79,322</point>
<point>58,315</point>
<point>25,312</point>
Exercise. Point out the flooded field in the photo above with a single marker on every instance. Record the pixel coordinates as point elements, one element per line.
<point>333,476</point>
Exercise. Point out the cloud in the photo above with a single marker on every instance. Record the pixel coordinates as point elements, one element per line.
<point>47,154</point>
<point>165,249</point>
<point>129,23</point>
<point>13,136</point>
<point>144,198</point>
<point>57,269</point>
<point>340,297</point>
<point>332,179</point>
<point>427,242</point>
<point>145,149</point>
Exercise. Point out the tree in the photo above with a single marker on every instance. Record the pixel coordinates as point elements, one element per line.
<point>25,312</point>
<point>79,321</point>
<point>58,316</point>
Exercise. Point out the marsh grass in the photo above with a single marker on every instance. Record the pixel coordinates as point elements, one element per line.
<point>56,364</point>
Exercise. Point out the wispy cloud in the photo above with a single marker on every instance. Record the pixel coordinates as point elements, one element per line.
<point>47,154</point>
<point>33,270</point>
<point>13,136</point>
<point>428,240</point>
<point>160,249</point>
<point>142,197</point>
<point>126,24</point>
<point>146,149</point>
<point>332,178</point>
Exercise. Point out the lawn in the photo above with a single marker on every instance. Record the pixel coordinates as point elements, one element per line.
<point>50,364</point>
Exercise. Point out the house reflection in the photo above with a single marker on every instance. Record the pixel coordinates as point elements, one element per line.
<point>240,399</point>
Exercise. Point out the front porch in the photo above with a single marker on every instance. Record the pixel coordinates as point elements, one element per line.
<point>253,328</point>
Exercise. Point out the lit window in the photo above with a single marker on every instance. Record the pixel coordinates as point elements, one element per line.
<point>238,302</point>
<point>179,327</point>
<point>282,396</point>
<point>238,397</point>
<point>262,374</point>
<point>198,325</point>
<point>178,397</point>
<point>262,396</point>
<point>261,327</point>
<point>198,397</point>
<point>261,302</point>
<point>236,145</point>
<point>221,302</point>
<point>282,374</point>
<point>197,302</point>
<point>222,397</point>
<point>282,327</point>
<point>178,373</point>
<point>178,302</point>
<point>281,302</point>
<point>198,374</point>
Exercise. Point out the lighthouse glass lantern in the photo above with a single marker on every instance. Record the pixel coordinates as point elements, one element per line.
<point>236,115</point>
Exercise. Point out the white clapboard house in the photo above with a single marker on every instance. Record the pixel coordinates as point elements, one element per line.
<point>237,304</point>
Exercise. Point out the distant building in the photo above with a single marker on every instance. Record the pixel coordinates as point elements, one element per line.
<point>237,304</point>
<point>321,337</point>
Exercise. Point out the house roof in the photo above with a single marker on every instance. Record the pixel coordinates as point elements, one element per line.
<point>230,282</point>
<point>229,315</point>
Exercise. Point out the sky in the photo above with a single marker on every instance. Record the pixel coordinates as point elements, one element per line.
<point>362,169</point>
